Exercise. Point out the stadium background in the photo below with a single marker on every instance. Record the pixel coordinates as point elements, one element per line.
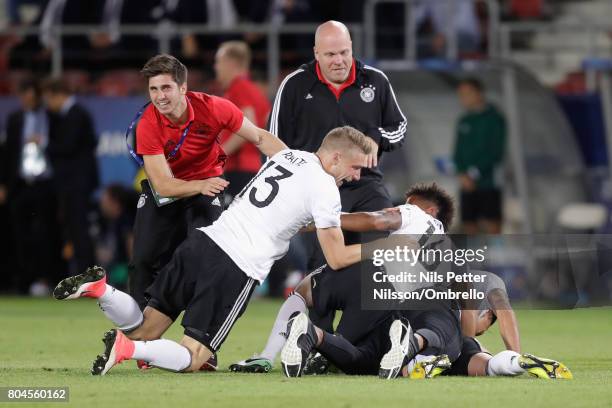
<point>545,64</point>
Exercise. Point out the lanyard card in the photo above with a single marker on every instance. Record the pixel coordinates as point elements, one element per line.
<point>161,200</point>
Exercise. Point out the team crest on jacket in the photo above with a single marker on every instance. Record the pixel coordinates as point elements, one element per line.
<point>367,94</point>
<point>141,200</point>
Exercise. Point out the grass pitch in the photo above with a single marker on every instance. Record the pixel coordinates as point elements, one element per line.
<point>52,343</point>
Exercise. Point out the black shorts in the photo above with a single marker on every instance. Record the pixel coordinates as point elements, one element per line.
<point>469,348</point>
<point>203,281</point>
<point>341,290</point>
<point>441,328</point>
<point>481,205</point>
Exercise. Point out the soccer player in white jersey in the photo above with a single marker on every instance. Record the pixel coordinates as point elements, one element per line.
<point>214,271</point>
<point>428,211</point>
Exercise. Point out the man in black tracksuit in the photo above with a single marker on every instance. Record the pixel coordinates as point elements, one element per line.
<point>337,90</point>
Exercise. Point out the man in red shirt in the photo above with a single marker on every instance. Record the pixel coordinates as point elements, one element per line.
<point>232,63</point>
<point>178,138</point>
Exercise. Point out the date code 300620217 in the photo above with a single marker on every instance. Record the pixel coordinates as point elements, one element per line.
<point>14,394</point>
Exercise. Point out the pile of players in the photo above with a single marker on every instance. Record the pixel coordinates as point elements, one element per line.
<point>221,256</point>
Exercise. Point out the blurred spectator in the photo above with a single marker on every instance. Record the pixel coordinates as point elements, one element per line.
<point>479,152</point>
<point>72,146</point>
<point>439,20</point>
<point>25,183</point>
<point>14,9</point>
<point>76,49</point>
<point>114,243</point>
<point>25,51</point>
<point>232,63</point>
<point>220,13</point>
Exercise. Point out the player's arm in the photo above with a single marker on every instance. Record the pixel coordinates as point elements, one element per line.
<point>390,132</point>
<point>159,174</point>
<point>468,322</point>
<point>266,142</point>
<point>508,325</point>
<point>337,254</point>
<point>234,142</point>
<point>389,219</point>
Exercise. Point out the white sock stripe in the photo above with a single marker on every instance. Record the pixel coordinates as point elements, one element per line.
<point>231,317</point>
<point>275,109</point>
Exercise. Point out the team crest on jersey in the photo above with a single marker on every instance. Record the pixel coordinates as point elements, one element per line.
<point>201,129</point>
<point>141,200</point>
<point>367,94</point>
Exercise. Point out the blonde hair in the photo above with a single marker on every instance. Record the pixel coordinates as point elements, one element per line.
<point>345,138</point>
<point>239,51</point>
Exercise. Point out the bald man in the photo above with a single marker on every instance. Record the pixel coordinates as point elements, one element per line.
<point>334,90</point>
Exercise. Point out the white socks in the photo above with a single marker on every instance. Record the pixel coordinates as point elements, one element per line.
<point>505,363</point>
<point>120,308</point>
<point>163,353</point>
<point>276,341</point>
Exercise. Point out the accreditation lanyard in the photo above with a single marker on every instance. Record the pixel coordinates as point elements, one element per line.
<point>159,200</point>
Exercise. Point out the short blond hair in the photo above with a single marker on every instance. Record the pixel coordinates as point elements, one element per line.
<point>345,138</point>
<point>239,51</point>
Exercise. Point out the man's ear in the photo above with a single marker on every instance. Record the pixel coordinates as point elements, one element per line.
<point>183,88</point>
<point>336,157</point>
<point>432,210</point>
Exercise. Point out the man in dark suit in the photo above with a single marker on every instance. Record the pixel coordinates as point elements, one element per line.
<point>71,149</point>
<point>27,190</point>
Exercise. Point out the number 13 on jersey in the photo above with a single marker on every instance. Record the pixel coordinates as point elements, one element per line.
<point>272,180</point>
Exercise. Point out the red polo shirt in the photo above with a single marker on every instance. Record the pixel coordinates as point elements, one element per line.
<point>200,155</point>
<point>338,91</point>
<point>245,94</point>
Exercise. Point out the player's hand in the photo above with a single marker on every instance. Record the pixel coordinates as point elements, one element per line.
<point>213,186</point>
<point>372,158</point>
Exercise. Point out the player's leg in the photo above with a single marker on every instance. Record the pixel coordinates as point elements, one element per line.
<point>302,337</point>
<point>472,360</point>
<point>303,297</point>
<point>297,302</point>
<point>219,296</point>
<point>510,363</point>
<point>188,356</point>
<point>119,307</point>
<point>157,233</point>
<point>441,330</point>
<point>362,358</point>
<point>154,325</point>
<point>404,345</point>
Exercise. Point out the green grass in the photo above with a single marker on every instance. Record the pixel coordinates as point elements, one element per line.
<point>51,343</point>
